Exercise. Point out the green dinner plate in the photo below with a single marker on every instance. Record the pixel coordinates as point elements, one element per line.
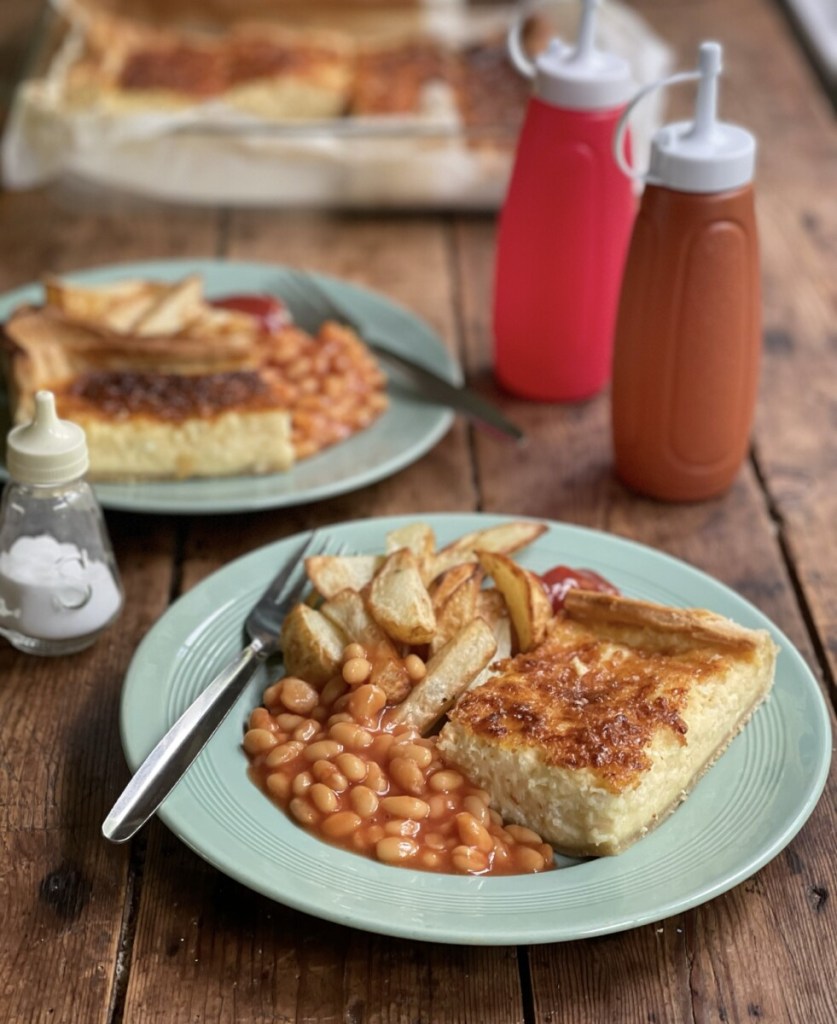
<point>740,815</point>
<point>406,431</point>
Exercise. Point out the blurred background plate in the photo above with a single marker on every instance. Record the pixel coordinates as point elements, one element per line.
<point>408,429</point>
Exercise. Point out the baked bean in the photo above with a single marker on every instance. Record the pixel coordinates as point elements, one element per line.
<point>257,741</point>
<point>376,780</point>
<point>301,783</point>
<point>366,701</point>
<point>323,798</point>
<point>416,668</point>
<point>471,833</point>
<point>402,827</point>
<point>353,651</point>
<point>278,785</point>
<point>468,860</point>
<point>374,834</point>
<point>283,753</point>
<point>353,767</point>
<point>351,735</point>
<point>364,800</point>
<point>407,774</point>
<point>414,751</point>
<point>521,834</point>
<point>445,781</point>
<point>341,718</point>
<point>526,858</point>
<point>306,730</point>
<point>381,744</point>
<point>356,671</point>
<point>260,718</point>
<point>334,688</point>
<point>475,807</point>
<point>395,849</point>
<point>304,813</point>
<point>341,824</point>
<point>299,696</point>
<point>337,781</point>
<point>347,773</point>
<point>288,722</point>
<point>405,807</point>
<point>322,749</point>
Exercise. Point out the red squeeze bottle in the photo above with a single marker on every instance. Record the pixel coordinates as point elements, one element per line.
<point>565,224</point>
<point>688,335</point>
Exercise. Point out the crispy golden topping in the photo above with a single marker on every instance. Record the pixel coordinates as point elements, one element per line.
<point>588,704</point>
<point>193,70</point>
<point>167,396</point>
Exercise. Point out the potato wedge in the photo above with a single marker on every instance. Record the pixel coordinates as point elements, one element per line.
<point>348,611</point>
<point>398,600</point>
<point>443,586</point>
<point>504,538</point>
<point>449,672</point>
<point>312,645</point>
<point>529,607</point>
<point>418,537</point>
<point>458,609</point>
<point>332,573</point>
<point>95,305</point>
<point>173,309</point>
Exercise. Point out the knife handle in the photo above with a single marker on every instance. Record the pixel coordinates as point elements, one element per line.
<point>165,766</point>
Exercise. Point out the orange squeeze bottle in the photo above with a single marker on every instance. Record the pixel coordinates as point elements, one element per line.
<point>688,333</point>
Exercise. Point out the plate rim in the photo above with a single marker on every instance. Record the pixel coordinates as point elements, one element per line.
<point>791,823</point>
<point>110,495</point>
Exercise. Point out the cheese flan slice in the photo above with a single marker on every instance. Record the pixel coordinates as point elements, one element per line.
<point>597,735</point>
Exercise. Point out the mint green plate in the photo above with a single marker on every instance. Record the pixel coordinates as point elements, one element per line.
<point>740,815</point>
<point>406,431</point>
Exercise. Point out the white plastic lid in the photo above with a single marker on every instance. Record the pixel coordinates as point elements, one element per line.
<point>703,155</point>
<point>47,450</point>
<point>582,77</point>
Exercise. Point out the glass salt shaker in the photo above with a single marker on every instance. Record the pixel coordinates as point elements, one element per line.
<point>59,585</point>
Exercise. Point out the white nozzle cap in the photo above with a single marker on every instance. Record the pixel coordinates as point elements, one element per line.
<point>581,77</point>
<point>47,451</point>
<point>703,155</point>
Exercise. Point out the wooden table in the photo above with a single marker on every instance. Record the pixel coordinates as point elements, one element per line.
<point>149,932</point>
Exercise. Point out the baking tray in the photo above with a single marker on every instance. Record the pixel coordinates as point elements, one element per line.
<point>440,154</point>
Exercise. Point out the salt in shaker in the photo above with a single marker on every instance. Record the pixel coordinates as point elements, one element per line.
<point>59,585</point>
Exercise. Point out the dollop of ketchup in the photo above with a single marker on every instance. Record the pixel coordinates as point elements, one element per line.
<point>271,312</point>
<point>559,581</point>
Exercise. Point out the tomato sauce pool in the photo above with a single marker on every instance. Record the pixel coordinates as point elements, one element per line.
<point>559,581</point>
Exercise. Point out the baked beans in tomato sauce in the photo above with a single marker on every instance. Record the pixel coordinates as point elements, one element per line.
<point>334,762</point>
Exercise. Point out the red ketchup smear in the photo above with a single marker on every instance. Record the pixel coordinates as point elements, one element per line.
<point>271,312</point>
<point>559,581</point>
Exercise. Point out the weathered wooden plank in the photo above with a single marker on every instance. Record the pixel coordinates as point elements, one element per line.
<point>63,887</point>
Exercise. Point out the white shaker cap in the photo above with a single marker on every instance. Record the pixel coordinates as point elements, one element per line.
<point>48,450</point>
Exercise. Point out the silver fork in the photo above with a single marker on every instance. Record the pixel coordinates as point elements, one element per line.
<point>165,766</point>
<point>319,298</point>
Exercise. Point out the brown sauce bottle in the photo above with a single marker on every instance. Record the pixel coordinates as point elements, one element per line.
<point>688,333</point>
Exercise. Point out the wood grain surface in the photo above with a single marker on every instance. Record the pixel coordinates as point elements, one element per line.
<point>96,934</point>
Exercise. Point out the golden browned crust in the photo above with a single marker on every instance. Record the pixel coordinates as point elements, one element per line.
<point>611,674</point>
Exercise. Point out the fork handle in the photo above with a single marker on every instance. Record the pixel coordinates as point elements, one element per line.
<point>164,767</point>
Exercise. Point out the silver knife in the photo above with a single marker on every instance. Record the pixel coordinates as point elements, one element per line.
<point>165,766</point>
